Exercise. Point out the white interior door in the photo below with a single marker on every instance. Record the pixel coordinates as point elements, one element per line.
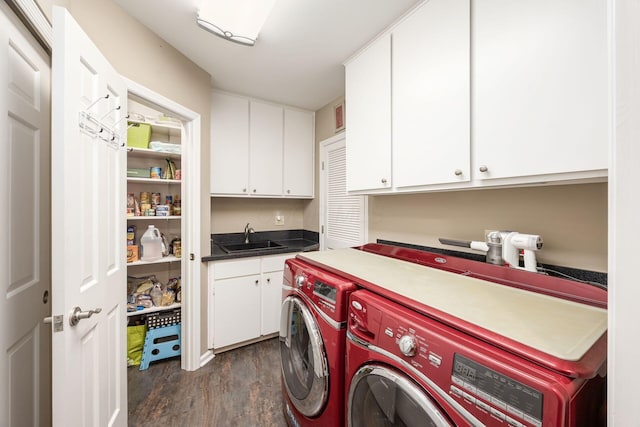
<point>25,278</point>
<point>88,232</point>
<point>343,217</point>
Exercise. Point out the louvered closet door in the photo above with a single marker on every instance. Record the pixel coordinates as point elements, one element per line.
<point>344,220</point>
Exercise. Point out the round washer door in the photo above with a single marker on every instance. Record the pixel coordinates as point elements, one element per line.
<point>304,362</point>
<point>379,396</point>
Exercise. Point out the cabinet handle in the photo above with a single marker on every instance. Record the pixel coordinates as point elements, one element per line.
<point>384,180</point>
<point>483,168</point>
<point>458,172</point>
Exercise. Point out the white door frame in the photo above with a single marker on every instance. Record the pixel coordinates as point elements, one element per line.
<point>323,192</point>
<point>190,224</point>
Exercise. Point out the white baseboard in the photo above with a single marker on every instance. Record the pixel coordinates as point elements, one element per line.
<point>206,358</point>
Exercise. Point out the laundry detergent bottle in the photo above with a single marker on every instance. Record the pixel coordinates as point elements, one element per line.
<point>151,244</point>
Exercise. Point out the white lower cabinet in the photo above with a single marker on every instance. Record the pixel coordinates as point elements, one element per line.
<point>245,299</point>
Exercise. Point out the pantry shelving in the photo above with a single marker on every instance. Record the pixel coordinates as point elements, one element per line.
<point>152,195</point>
<point>154,309</point>
<point>153,181</point>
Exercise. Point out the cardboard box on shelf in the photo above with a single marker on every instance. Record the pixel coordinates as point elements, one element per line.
<point>132,253</point>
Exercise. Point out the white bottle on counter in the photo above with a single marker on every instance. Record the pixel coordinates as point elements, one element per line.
<point>151,244</point>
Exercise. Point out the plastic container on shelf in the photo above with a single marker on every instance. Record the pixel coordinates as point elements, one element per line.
<point>151,244</point>
<point>138,135</point>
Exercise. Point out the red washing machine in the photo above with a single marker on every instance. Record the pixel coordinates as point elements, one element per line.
<point>312,344</point>
<point>405,369</point>
<point>427,346</point>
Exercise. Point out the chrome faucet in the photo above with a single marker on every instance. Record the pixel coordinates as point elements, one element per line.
<point>247,230</point>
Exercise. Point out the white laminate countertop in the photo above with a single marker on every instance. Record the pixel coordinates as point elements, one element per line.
<point>561,328</point>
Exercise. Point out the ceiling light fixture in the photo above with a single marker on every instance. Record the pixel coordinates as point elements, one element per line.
<point>238,21</point>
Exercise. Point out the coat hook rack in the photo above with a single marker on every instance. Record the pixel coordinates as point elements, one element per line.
<point>95,127</point>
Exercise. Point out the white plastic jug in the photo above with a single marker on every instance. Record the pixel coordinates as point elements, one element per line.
<point>151,244</point>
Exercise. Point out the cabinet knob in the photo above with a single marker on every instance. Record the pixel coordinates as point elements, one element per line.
<point>254,190</point>
<point>257,282</point>
<point>384,180</point>
<point>268,280</point>
<point>483,168</point>
<point>458,172</point>
<point>244,190</point>
<point>288,191</point>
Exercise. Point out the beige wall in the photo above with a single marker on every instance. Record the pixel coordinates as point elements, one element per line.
<point>140,55</point>
<point>230,214</point>
<point>572,219</point>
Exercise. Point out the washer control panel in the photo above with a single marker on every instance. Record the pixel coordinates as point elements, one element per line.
<point>407,345</point>
<point>503,397</point>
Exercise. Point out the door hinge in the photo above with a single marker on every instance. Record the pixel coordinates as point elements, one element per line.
<point>57,321</point>
<point>322,165</point>
<point>322,229</point>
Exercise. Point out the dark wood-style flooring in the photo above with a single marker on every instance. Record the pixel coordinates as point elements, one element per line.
<point>237,388</point>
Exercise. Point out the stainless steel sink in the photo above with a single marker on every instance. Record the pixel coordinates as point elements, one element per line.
<point>250,247</point>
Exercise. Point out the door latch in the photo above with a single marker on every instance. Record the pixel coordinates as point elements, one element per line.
<point>56,321</point>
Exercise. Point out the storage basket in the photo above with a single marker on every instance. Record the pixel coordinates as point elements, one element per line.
<point>138,135</point>
<point>163,318</point>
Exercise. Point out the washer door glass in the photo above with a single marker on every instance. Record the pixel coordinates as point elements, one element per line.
<point>380,397</point>
<point>304,362</point>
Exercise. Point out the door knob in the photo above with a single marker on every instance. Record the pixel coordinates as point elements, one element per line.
<point>77,315</point>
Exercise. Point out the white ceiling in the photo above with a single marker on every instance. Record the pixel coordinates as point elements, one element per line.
<point>297,59</point>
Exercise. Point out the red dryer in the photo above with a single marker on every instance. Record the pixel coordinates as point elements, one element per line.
<point>312,345</point>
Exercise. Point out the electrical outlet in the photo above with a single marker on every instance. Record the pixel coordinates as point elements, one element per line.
<point>279,220</point>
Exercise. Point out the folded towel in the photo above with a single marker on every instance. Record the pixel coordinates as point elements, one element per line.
<point>165,147</point>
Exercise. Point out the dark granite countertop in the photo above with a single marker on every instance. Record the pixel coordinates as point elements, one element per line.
<point>291,241</point>
<point>595,278</point>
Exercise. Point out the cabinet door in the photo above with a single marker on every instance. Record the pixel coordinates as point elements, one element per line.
<point>265,149</point>
<point>431,95</point>
<point>540,87</point>
<point>236,310</point>
<point>368,117</point>
<point>271,301</point>
<point>298,153</point>
<point>229,144</point>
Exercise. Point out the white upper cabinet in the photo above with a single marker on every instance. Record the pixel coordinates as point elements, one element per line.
<point>368,117</point>
<point>229,144</point>
<point>265,149</point>
<point>430,85</point>
<point>540,87</point>
<point>501,94</point>
<point>260,149</point>
<point>298,153</point>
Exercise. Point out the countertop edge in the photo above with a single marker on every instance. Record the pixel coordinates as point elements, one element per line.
<point>259,253</point>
